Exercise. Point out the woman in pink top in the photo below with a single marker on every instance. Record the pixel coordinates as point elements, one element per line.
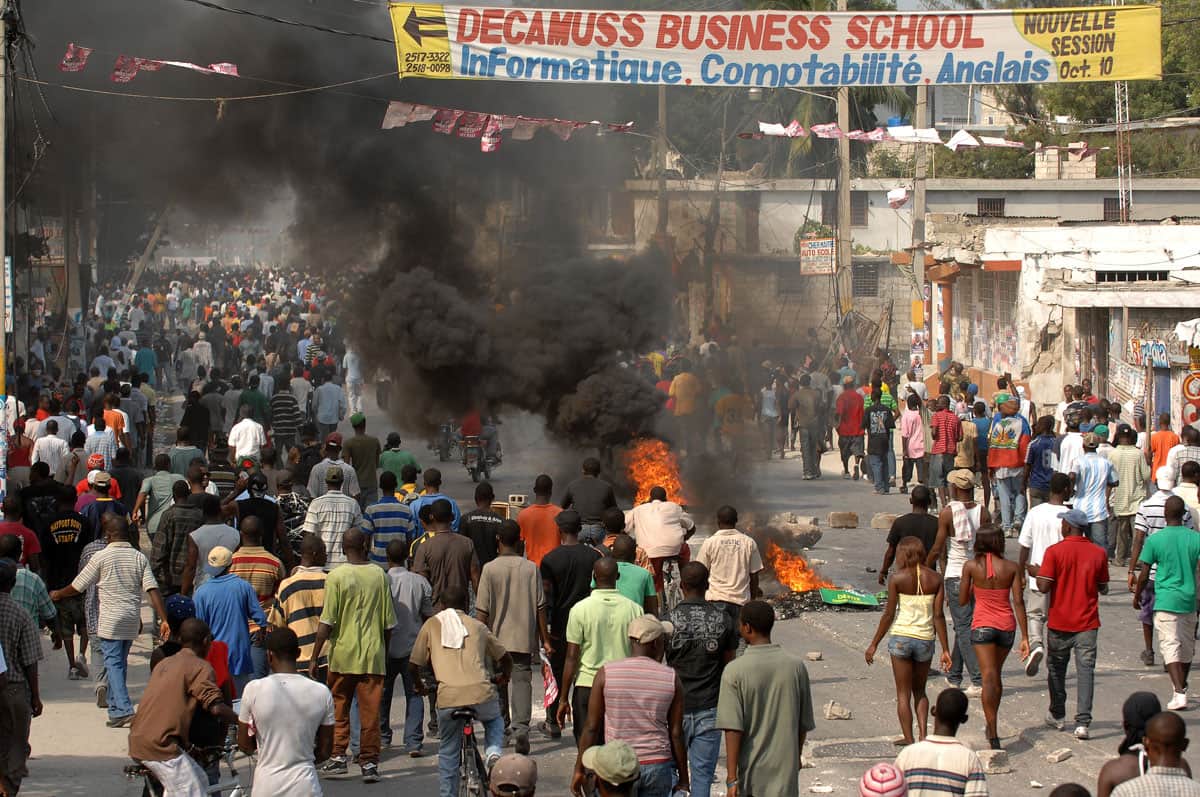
<point>912,435</point>
<point>989,579</point>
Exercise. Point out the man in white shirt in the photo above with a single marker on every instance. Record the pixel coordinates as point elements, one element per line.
<point>288,718</point>
<point>247,437</point>
<point>1070,450</point>
<point>51,449</point>
<point>1042,528</point>
<point>661,527</point>
<point>733,563</point>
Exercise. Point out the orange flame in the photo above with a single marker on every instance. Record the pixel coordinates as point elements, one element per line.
<point>652,463</point>
<point>793,570</point>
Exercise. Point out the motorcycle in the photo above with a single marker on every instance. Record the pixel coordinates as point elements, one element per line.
<point>474,459</point>
<point>446,441</point>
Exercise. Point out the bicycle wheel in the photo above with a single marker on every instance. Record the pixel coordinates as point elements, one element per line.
<point>469,784</point>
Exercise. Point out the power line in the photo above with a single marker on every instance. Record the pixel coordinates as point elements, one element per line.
<point>135,95</point>
<point>292,22</point>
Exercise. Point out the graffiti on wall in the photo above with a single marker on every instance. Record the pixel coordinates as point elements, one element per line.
<point>1148,351</point>
<point>1126,380</point>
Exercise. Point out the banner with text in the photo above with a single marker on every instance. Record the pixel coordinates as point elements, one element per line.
<point>776,48</point>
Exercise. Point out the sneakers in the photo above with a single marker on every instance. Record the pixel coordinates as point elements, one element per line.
<point>845,474</point>
<point>124,722</point>
<point>1034,661</point>
<point>521,745</point>
<point>1179,702</point>
<point>73,674</point>
<point>334,766</point>
<point>1054,722</point>
<point>491,761</point>
<point>1148,658</point>
<point>370,773</point>
<point>855,477</point>
<point>101,696</point>
<point>432,727</point>
<point>553,731</point>
<point>1081,732</point>
<point>415,751</point>
<point>973,691</point>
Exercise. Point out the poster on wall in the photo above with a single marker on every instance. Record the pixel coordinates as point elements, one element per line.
<point>919,348</point>
<point>817,256</point>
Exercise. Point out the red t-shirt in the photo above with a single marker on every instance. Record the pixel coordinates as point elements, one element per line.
<point>29,541</point>
<point>539,532</point>
<point>472,425</point>
<point>850,414</point>
<point>949,432</point>
<point>1078,567</point>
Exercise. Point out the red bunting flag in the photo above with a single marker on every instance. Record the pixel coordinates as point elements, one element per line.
<point>75,59</point>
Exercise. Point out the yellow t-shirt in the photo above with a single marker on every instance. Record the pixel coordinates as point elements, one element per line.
<point>685,389</point>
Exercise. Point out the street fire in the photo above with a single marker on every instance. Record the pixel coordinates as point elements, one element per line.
<point>652,463</point>
<point>793,570</point>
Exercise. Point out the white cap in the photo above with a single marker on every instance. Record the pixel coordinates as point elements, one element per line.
<point>1164,477</point>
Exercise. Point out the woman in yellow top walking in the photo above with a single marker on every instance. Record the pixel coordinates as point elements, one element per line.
<point>914,613</point>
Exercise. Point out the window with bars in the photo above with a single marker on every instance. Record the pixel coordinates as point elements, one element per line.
<point>859,208</point>
<point>993,207</point>
<point>1112,209</point>
<point>1132,276</point>
<point>864,280</point>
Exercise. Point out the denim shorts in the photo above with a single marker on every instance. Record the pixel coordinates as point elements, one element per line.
<point>993,636</point>
<point>905,647</point>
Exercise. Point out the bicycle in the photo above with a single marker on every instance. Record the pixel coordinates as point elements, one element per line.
<point>204,756</point>
<point>472,772</point>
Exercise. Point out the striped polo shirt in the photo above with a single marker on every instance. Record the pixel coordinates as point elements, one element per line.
<point>637,698</point>
<point>386,521</point>
<point>262,569</point>
<point>941,765</point>
<point>298,606</point>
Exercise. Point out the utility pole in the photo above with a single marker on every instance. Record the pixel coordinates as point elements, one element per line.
<point>661,152</point>
<point>921,120</point>
<point>844,251</point>
<point>4,286</point>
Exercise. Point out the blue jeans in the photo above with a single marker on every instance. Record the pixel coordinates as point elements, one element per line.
<point>258,654</point>
<point>964,651</point>
<point>1098,533</point>
<point>414,706</point>
<point>879,470</point>
<point>1012,502</point>
<point>116,664</point>
<point>451,731</point>
<point>703,740</point>
<point>657,779</point>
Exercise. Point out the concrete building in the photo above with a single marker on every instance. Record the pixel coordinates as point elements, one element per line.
<point>1054,302</point>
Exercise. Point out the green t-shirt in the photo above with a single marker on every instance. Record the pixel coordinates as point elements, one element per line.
<point>1175,550</point>
<point>599,625</point>
<point>765,694</point>
<point>395,459</point>
<point>634,582</point>
<point>363,450</point>
<point>358,607</point>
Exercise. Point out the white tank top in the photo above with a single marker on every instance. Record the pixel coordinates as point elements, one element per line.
<point>960,547</point>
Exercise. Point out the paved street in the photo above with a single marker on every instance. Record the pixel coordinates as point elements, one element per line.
<point>74,754</point>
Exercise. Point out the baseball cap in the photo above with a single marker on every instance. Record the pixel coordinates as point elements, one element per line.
<point>1124,429</point>
<point>358,419</point>
<point>102,477</point>
<point>1101,431</point>
<point>973,388</point>
<point>95,461</point>
<point>882,780</point>
<point>179,608</point>
<point>1092,440</point>
<point>1164,477</point>
<point>962,478</point>
<point>647,628</point>
<point>614,763</point>
<point>847,380</point>
<point>1075,518</point>
<point>258,485</point>
<point>334,476</point>
<point>219,558</point>
<point>513,774</point>
<point>333,439</point>
<point>1020,390</point>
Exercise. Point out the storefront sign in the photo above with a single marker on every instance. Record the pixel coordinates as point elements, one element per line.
<point>778,48</point>
<point>1144,351</point>
<point>1191,399</point>
<point>817,255</point>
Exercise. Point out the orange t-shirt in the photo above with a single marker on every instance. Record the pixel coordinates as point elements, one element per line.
<point>1161,442</point>
<point>115,421</point>
<point>539,532</point>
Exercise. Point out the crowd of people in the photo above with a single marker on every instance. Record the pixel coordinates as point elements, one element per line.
<point>313,578</point>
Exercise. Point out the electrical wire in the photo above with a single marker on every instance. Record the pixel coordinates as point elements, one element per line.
<point>232,98</point>
<point>292,22</point>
